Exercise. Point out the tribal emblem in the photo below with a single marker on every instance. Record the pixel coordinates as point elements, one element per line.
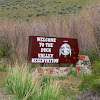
<point>65,50</point>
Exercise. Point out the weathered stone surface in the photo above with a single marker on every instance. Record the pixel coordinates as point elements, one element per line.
<point>66,70</point>
<point>83,61</point>
<point>78,69</point>
<point>82,66</point>
<point>58,68</point>
<point>49,71</point>
<point>86,58</point>
<point>40,70</point>
<point>81,57</point>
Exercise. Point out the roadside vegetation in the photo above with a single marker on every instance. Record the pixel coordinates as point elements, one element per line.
<point>90,85</point>
<point>26,87</point>
<point>92,81</point>
<point>56,18</point>
<point>21,83</point>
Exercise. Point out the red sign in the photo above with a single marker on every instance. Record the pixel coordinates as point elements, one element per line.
<point>52,50</point>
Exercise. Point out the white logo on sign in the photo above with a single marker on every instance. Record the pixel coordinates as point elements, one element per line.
<point>65,50</point>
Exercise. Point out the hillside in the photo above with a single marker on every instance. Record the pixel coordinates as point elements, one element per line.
<point>28,9</point>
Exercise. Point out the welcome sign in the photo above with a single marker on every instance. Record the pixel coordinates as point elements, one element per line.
<point>52,50</point>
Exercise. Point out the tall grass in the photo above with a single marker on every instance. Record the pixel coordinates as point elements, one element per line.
<point>50,92</point>
<point>20,82</point>
<point>26,87</point>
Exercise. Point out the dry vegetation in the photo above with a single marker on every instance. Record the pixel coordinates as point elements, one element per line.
<point>85,28</point>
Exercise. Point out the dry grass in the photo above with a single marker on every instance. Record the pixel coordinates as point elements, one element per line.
<point>85,28</point>
<point>70,82</point>
<point>69,85</point>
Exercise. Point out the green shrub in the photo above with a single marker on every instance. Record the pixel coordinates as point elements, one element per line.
<point>95,85</point>
<point>86,82</point>
<point>2,69</point>
<point>92,81</point>
<point>6,50</point>
<point>2,53</point>
<point>93,55</point>
<point>96,68</point>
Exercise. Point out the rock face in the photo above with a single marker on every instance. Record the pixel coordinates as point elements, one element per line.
<point>82,66</point>
<point>83,61</point>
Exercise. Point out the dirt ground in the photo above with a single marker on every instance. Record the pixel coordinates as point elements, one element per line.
<point>2,78</point>
<point>5,97</point>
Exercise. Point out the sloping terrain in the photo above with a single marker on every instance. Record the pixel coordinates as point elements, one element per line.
<point>28,9</point>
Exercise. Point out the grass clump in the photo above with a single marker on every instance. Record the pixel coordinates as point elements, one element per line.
<point>26,87</point>
<point>20,82</point>
<point>46,80</point>
<point>70,85</point>
<point>50,91</point>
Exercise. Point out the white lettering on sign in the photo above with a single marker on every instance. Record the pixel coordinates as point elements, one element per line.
<point>49,44</point>
<point>43,39</point>
<point>41,44</point>
<point>45,49</point>
<point>43,55</point>
<point>38,60</point>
